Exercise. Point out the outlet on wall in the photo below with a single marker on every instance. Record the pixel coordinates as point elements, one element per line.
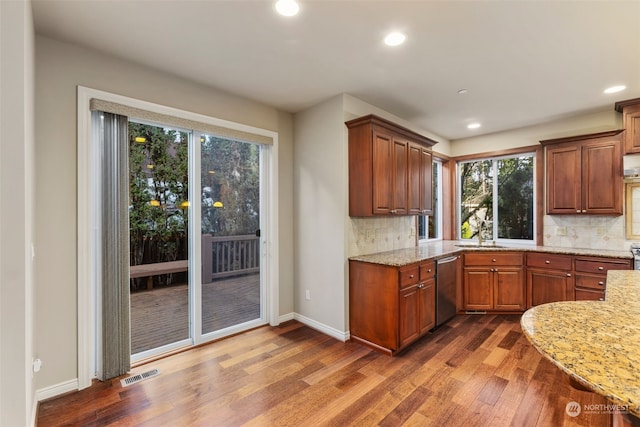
<point>307,295</point>
<point>561,231</point>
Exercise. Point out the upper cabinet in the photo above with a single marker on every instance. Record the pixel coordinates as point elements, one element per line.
<point>630,110</point>
<point>584,174</point>
<point>389,169</point>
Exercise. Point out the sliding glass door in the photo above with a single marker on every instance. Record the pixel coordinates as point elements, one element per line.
<point>158,238</point>
<point>230,227</point>
<point>185,292</point>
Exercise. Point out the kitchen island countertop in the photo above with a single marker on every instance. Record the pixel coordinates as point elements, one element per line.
<point>443,248</point>
<point>597,343</point>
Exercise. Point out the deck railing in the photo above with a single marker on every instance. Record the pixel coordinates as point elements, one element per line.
<point>229,256</point>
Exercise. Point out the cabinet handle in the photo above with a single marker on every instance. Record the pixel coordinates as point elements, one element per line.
<point>600,299</point>
<point>578,211</point>
<point>429,270</point>
<point>600,268</point>
<point>547,262</point>
<point>421,285</point>
<point>411,276</point>
<point>584,211</point>
<point>493,260</point>
<point>601,283</point>
<point>568,274</point>
<point>393,211</point>
<point>495,269</point>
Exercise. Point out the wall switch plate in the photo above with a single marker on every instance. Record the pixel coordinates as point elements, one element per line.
<point>307,295</point>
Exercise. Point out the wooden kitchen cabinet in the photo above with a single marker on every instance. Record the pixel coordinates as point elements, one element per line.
<point>630,110</point>
<point>390,307</point>
<point>549,278</point>
<point>493,281</point>
<point>420,180</point>
<point>389,169</point>
<point>591,275</point>
<point>584,174</point>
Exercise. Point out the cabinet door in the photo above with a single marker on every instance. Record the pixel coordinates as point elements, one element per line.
<point>427,305</point>
<point>383,169</point>
<point>545,286</point>
<point>602,177</point>
<point>426,181</point>
<point>415,177</point>
<point>631,124</point>
<point>478,289</point>
<point>409,317</point>
<point>400,177</point>
<point>564,180</point>
<point>508,290</point>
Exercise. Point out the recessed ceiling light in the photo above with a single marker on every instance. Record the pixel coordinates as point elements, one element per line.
<point>394,39</point>
<point>287,7</point>
<point>473,125</point>
<point>615,89</point>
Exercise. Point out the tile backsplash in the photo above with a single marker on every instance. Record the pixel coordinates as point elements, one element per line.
<point>379,234</point>
<point>588,231</point>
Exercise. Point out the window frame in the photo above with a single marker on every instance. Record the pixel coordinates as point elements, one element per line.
<point>538,201</point>
<point>439,207</point>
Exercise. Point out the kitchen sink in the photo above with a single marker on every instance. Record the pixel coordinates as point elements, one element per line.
<point>479,246</point>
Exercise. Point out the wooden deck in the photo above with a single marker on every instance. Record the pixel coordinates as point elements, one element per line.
<point>160,316</point>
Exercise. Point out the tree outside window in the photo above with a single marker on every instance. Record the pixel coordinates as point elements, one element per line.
<point>496,198</point>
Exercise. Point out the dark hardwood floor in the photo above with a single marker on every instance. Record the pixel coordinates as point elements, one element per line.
<point>474,371</point>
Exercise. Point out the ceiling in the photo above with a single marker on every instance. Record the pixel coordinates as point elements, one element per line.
<point>522,62</point>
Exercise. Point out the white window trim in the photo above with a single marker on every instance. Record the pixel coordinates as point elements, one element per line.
<point>495,197</point>
<point>86,231</point>
<point>440,207</point>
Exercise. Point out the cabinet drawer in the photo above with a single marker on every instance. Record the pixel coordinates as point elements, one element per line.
<point>592,282</point>
<point>493,258</point>
<point>427,270</point>
<point>589,295</point>
<point>550,261</point>
<point>601,265</point>
<point>409,276</point>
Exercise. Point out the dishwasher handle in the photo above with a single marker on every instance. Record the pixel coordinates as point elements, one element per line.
<point>447,260</point>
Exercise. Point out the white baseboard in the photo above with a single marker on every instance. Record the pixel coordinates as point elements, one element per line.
<point>328,330</point>
<point>56,390</point>
<point>286,317</point>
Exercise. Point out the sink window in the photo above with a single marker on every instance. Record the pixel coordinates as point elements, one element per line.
<point>430,226</point>
<point>496,198</point>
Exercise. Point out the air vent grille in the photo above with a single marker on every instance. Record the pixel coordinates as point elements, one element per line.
<point>139,377</point>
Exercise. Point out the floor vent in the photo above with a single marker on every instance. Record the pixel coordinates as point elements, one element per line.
<point>139,377</point>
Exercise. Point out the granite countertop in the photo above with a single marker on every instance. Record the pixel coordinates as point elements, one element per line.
<point>596,342</point>
<point>443,248</point>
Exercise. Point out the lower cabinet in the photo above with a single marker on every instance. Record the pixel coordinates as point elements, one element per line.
<point>493,281</point>
<point>549,278</point>
<point>591,276</point>
<point>391,307</point>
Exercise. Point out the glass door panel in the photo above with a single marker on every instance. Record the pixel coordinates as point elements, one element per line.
<point>158,236</point>
<point>230,226</point>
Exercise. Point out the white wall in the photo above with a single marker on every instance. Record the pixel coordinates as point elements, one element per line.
<point>16,213</point>
<point>60,68</point>
<point>320,200</point>
<point>532,135</point>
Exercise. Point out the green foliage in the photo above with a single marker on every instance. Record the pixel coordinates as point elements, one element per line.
<point>231,175</point>
<point>158,184</point>
<point>514,196</point>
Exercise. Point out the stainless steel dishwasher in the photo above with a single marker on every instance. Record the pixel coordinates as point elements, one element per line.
<point>446,275</point>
